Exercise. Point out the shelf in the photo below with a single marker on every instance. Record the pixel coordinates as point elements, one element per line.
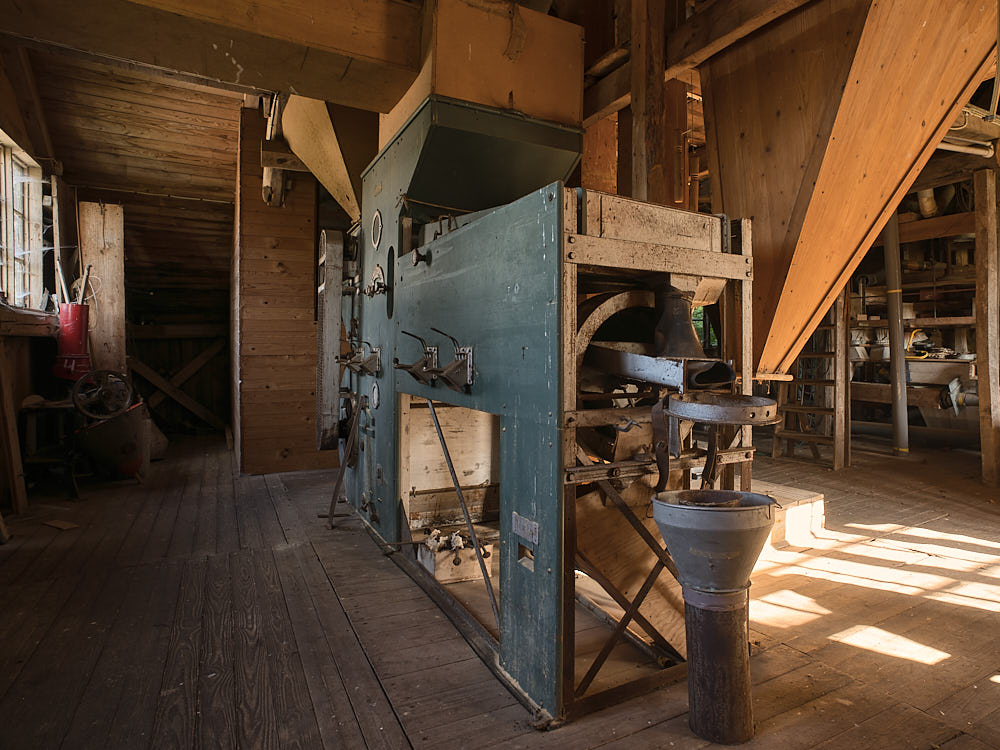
<point>956,321</point>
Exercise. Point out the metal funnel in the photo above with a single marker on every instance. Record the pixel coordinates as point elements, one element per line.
<point>714,536</point>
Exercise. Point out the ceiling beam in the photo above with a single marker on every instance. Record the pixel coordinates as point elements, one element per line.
<point>386,32</point>
<point>373,78</point>
<point>688,46</point>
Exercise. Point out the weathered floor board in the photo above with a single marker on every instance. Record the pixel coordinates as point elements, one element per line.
<point>203,609</point>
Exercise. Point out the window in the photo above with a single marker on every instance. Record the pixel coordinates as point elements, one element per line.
<point>21,251</point>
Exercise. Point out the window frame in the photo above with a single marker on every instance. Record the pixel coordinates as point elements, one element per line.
<point>21,272</point>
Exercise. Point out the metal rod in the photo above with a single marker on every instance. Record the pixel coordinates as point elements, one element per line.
<point>609,644</point>
<point>897,353</point>
<point>352,436</point>
<point>465,512</point>
<point>584,564</point>
<point>630,516</point>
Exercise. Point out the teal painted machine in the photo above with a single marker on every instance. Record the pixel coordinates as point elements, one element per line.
<point>466,290</point>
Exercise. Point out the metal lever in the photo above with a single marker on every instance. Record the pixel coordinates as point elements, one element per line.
<point>424,369</point>
<point>360,364</point>
<point>458,374</point>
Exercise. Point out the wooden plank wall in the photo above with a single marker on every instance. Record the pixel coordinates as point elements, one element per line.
<point>274,305</point>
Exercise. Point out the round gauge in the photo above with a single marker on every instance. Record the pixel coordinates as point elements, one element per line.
<point>376,395</point>
<point>376,229</point>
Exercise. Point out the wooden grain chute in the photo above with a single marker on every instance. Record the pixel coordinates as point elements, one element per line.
<point>817,125</point>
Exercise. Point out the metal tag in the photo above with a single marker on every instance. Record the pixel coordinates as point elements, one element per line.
<point>525,528</point>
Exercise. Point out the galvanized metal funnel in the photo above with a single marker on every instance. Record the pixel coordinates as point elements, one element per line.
<point>714,536</point>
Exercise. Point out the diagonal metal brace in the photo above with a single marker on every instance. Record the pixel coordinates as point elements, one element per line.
<point>630,516</point>
<point>599,660</point>
<point>584,564</point>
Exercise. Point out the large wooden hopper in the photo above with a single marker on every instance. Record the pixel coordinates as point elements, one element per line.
<point>817,125</point>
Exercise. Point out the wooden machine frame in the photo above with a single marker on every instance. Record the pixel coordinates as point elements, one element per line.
<point>608,231</point>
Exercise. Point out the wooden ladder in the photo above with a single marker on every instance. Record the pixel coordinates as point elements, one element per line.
<point>814,404</point>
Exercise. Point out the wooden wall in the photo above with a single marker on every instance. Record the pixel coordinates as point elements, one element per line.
<point>274,292</point>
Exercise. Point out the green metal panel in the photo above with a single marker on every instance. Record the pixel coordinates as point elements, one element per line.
<point>496,285</point>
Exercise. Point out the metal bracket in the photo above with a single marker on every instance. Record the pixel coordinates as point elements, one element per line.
<point>424,369</point>
<point>458,374</point>
<point>359,364</point>
<point>377,284</point>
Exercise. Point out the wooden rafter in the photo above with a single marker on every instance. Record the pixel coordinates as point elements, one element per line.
<point>792,143</point>
<point>364,59</point>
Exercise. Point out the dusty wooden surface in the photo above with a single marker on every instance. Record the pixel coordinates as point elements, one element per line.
<point>201,609</point>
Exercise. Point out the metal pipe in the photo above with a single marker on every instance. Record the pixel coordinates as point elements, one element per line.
<point>985,151</point>
<point>897,354</point>
<point>465,512</point>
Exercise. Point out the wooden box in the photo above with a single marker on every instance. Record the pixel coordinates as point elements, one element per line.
<point>487,54</point>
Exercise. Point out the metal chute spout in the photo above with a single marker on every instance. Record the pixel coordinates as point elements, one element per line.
<point>675,336</point>
<point>710,374</point>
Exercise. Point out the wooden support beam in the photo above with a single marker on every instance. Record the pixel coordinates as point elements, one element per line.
<point>13,469</point>
<point>842,383</point>
<point>102,246</point>
<point>381,31</point>
<point>948,167</point>
<point>881,393</point>
<point>599,164</point>
<point>988,323</point>
<point>366,60</point>
<point>175,393</point>
<point>277,155</point>
<point>787,115</point>
<point>189,370</point>
<point>689,45</point>
<point>649,180</point>
<point>306,125</point>
<point>935,228</point>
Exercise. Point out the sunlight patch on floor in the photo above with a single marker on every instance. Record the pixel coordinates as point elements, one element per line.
<point>883,642</point>
<point>785,609</point>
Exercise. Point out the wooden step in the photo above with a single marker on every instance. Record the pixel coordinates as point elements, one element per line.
<point>803,437</point>
<point>805,409</point>
<point>812,381</point>
<point>816,355</point>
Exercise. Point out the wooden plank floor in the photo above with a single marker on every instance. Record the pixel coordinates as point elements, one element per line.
<point>206,610</point>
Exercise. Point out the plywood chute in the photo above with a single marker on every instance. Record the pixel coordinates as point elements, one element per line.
<point>817,125</point>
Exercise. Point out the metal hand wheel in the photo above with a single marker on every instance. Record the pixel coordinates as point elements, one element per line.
<point>102,394</point>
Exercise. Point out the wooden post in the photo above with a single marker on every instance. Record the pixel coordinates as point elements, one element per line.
<point>599,165</point>
<point>12,466</point>
<point>988,323</point>
<point>102,245</point>
<point>841,385</point>
<point>675,140</point>
<point>649,179</point>
<point>897,348</point>
<point>624,175</point>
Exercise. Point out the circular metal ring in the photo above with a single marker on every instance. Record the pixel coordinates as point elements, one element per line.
<point>722,408</point>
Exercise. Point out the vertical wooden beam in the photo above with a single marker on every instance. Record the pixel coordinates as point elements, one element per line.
<point>675,141</point>
<point>897,348</point>
<point>599,166</point>
<point>624,175</point>
<point>841,385</point>
<point>12,466</point>
<point>649,179</point>
<point>102,245</point>
<point>988,323</point>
